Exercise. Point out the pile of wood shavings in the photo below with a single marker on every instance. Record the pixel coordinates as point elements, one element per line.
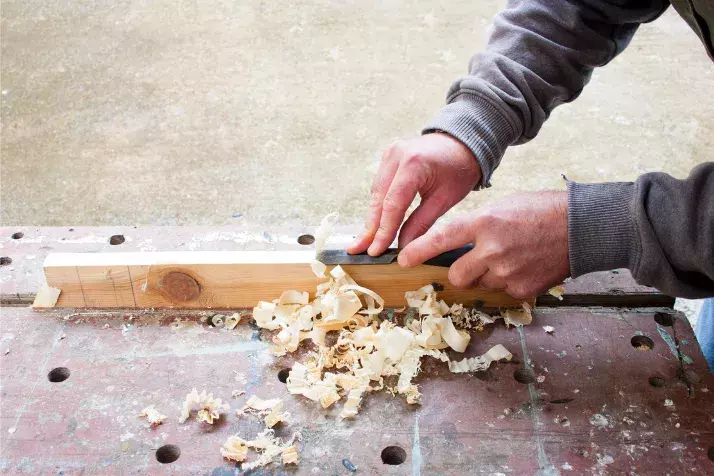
<point>368,350</point>
<point>266,443</point>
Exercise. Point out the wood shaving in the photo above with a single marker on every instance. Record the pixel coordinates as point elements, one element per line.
<point>46,297</point>
<point>557,292</point>
<point>266,443</point>
<point>209,408</point>
<point>234,449</point>
<point>324,231</point>
<point>518,317</point>
<point>232,321</point>
<point>549,329</point>
<point>368,350</point>
<point>269,409</point>
<point>152,415</point>
<point>237,393</point>
<point>218,320</point>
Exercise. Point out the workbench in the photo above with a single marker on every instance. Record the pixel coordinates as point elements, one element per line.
<point>619,387</point>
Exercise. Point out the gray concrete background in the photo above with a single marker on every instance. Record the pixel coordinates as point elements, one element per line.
<point>221,112</point>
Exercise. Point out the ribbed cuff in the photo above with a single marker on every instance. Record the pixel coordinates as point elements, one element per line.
<point>481,127</point>
<point>601,227</point>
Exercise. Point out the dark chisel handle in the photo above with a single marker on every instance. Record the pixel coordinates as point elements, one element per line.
<point>447,259</point>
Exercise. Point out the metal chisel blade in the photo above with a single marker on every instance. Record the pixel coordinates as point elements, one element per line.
<point>335,257</point>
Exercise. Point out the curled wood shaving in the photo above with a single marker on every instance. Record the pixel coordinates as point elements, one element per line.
<point>557,292</point>
<point>234,449</point>
<point>290,455</point>
<point>232,321</point>
<point>481,362</point>
<point>368,350</point>
<point>209,408</point>
<point>269,409</point>
<point>152,415</point>
<point>325,230</point>
<point>270,448</point>
<point>518,317</point>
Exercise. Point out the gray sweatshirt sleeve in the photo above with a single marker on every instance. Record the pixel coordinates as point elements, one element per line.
<point>659,227</point>
<point>541,54</point>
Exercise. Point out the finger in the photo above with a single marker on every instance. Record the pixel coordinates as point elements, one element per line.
<point>401,194</point>
<point>387,169</point>
<point>467,270</point>
<point>435,242</point>
<point>491,282</point>
<point>419,222</point>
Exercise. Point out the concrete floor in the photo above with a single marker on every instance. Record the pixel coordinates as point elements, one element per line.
<point>218,112</point>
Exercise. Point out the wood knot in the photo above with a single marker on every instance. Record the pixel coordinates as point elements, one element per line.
<point>179,286</point>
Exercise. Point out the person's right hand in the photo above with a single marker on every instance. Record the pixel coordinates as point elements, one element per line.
<point>436,166</point>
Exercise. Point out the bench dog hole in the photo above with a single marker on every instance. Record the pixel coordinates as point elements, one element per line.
<point>168,454</point>
<point>5,260</point>
<point>306,239</point>
<point>642,343</point>
<point>524,376</point>
<point>664,319</point>
<point>116,239</point>
<point>393,455</point>
<point>18,235</point>
<point>656,382</point>
<point>59,374</point>
<point>283,375</point>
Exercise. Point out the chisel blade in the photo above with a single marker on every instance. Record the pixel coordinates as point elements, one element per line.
<point>341,257</point>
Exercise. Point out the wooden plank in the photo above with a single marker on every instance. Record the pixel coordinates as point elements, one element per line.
<point>20,280</point>
<point>230,279</point>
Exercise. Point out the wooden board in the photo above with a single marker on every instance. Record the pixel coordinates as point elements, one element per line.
<point>216,280</point>
<point>595,412</point>
<point>20,280</point>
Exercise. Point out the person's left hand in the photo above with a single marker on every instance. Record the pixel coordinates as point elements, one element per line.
<point>520,245</point>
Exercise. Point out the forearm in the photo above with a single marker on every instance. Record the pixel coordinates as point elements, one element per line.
<point>659,227</point>
<point>541,54</point>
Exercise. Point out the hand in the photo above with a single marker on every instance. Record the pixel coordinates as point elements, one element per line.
<point>520,245</point>
<point>436,166</point>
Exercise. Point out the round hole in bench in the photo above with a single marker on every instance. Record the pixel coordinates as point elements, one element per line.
<point>168,454</point>
<point>283,375</point>
<point>5,260</point>
<point>664,319</point>
<point>116,239</point>
<point>59,374</point>
<point>18,235</point>
<point>393,455</point>
<point>524,376</point>
<point>656,382</point>
<point>642,342</point>
<point>306,239</point>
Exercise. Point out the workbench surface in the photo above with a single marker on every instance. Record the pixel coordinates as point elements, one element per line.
<point>601,402</point>
<point>596,410</point>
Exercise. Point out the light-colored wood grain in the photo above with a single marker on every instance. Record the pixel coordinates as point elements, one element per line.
<point>232,279</point>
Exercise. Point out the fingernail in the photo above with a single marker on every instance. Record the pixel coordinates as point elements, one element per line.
<point>402,260</point>
<point>372,250</point>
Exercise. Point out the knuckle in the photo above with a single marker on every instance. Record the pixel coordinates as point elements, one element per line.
<point>455,228</point>
<point>519,291</point>
<point>375,198</point>
<point>390,205</point>
<point>393,150</point>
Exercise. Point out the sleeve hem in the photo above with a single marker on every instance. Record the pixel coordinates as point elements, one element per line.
<point>481,127</point>
<point>601,227</point>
